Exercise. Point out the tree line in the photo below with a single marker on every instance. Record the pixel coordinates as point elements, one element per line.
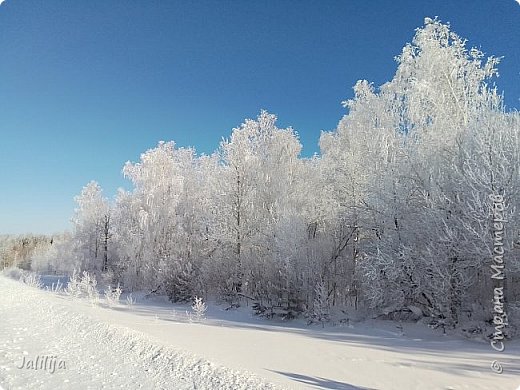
<point>394,215</point>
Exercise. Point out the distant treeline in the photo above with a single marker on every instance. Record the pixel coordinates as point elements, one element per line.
<point>18,250</point>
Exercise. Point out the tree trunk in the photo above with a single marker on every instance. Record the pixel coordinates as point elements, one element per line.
<point>105,243</point>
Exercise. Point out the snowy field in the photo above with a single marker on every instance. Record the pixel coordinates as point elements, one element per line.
<point>152,345</point>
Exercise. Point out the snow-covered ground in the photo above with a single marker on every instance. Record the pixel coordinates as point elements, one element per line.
<point>151,345</point>
<point>97,354</point>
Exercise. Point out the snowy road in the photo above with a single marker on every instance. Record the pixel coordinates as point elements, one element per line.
<point>96,355</point>
<point>147,347</point>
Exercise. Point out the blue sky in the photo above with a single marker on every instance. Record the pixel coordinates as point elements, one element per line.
<point>88,85</point>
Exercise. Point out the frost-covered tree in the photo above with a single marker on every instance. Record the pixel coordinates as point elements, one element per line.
<point>259,192</point>
<point>91,230</point>
<point>320,308</point>
<point>21,250</point>
<point>434,218</point>
<point>357,158</point>
<point>146,218</point>
<point>163,225</point>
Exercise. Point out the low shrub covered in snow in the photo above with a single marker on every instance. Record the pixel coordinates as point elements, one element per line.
<point>13,272</point>
<point>199,309</point>
<point>84,286</point>
<point>130,300</point>
<point>29,278</point>
<point>112,295</point>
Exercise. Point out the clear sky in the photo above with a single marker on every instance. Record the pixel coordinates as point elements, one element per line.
<point>88,85</point>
